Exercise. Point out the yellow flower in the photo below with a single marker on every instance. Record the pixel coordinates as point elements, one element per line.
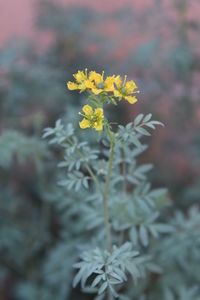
<point>96,77</point>
<point>80,76</point>
<point>125,90</point>
<point>92,118</point>
<point>96,83</point>
<point>101,85</point>
<point>82,82</point>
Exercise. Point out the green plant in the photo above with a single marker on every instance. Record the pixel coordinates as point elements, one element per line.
<point>116,203</point>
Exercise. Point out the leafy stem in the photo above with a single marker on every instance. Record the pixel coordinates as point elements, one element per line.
<point>106,189</point>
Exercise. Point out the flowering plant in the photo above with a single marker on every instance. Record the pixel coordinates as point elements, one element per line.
<point>115,201</point>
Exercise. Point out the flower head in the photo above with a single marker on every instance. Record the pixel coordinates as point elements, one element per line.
<point>92,118</point>
<point>101,85</point>
<point>81,82</point>
<point>96,84</point>
<point>125,90</point>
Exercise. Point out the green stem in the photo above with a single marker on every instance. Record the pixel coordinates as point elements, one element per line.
<point>110,296</point>
<point>106,191</point>
<point>124,171</point>
<point>93,177</point>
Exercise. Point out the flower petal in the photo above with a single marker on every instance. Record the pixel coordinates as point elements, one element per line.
<point>98,125</point>
<point>99,113</point>
<point>87,109</point>
<point>117,94</point>
<point>84,124</point>
<point>130,86</point>
<point>97,91</point>
<point>118,81</point>
<point>98,78</point>
<point>80,76</point>
<point>109,83</point>
<point>130,99</point>
<point>89,84</point>
<point>72,86</point>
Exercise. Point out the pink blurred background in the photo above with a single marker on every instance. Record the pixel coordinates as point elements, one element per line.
<point>17,16</point>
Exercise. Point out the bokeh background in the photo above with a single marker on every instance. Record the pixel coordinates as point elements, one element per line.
<point>154,42</point>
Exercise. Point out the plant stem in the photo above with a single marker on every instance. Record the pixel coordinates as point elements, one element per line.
<point>93,177</point>
<point>110,296</point>
<point>106,191</point>
<point>124,172</point>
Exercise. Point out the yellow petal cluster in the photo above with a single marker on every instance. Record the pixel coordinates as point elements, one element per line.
<point>96,83</point>
<point>92,118</point>
<point>125,90</point>
<point>82,82</point>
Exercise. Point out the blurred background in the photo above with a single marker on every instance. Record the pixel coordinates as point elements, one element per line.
<point>154,42</point>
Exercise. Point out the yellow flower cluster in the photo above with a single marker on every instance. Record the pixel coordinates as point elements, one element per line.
<point>96,83</point>
<point>92,118</point>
